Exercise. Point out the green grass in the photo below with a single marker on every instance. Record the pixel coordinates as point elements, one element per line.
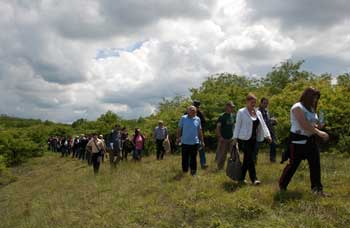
<point>61,192</point>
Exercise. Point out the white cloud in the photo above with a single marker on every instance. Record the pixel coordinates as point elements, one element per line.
<point>63,60</point>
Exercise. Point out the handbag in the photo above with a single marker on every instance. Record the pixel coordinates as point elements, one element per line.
<point>234,165</point>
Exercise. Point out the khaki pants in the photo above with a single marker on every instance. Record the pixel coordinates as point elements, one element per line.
<point>224,147</point>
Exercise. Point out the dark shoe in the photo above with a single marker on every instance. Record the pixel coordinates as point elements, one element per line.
<point>204,166</point>
<point>242,182</point>
<point>282,189</point>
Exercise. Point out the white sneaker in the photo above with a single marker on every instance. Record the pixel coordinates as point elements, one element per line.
<point>257,182</point>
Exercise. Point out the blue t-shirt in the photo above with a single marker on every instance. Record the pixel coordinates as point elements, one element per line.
<point>190,128</point>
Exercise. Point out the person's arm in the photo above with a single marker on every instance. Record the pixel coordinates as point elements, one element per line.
<point>178,135</point>
<point>237,125</point>
<point>201,137</point>
<point>179,131</point>
<point>299,115</point>
<point>265,129</point>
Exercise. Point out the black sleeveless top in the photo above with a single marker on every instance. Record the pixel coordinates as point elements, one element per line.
<point>255,129</point>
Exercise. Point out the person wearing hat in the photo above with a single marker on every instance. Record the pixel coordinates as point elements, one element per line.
<point>97,148</point>
<point>160,133</point>
<point>224,131</point>
<point>104,145</point>
<point>202,158</point>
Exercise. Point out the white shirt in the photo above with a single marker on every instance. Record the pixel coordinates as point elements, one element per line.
<point>310,117</point>
<point>244,126</point>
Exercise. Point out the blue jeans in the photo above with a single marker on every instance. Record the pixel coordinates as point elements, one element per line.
<point>272,151</point>
<point>202,159</point>
<point>137,154</point>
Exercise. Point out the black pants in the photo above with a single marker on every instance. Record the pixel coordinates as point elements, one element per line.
<point>115,156</point>
<point>189,158</point>
<point>96,160</point>
<point>88,156</point>
<point>64,151</point>
<point>160,148</point>
<point>82,153</point>
<point>248,148</point>
<point>299,152</point>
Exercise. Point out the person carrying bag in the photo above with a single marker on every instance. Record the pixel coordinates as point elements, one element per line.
<point>234,165</point>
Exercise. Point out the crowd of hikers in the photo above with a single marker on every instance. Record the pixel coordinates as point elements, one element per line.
<point>242,130</point>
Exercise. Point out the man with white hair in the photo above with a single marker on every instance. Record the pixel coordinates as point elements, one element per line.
<point>190,134</point>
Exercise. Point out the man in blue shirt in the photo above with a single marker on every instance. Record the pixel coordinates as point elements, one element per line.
<point>190,133</point>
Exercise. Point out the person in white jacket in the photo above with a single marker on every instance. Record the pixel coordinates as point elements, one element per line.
<point>250,127</point>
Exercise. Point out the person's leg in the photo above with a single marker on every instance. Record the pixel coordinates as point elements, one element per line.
<point>273,151</point>
<point>111,159</point>
<point>291,167</point>
<point>62,152</point>
<point>126,154</point>
<point>185,157</point>
<point>219,153</point>
<point>158,148</point>
<point>202,158</point>
<point>119,156</point>
<point>89,157</point>
<point>134,154</point>
<point>83,154</point>
<point>80,153</point>
<point>193,159</point>
<point>249,157</point>
<point>313,158</point>
<point>243,147</point>
<point>99,158</point>
<point>162,150</point>
<point>140,154</point>
<point>225,146</point>
<point>95,162</point>
<point>256,151</point>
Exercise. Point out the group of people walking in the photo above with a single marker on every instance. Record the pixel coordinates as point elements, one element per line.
<point>251,126</point>
<point>245,130</point>
<point>116,146</point>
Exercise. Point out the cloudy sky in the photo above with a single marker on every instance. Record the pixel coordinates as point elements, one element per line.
<point>67,59</point>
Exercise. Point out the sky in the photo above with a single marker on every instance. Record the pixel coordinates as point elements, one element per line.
<point>62,60</point>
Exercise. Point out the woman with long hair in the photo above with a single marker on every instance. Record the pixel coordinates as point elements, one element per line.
<point>302,140</point>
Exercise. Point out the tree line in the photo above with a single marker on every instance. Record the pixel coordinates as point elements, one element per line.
<point>21,139</point>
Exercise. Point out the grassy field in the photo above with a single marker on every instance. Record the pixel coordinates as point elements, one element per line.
<point>61,192</point>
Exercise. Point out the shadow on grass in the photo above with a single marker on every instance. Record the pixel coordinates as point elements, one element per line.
<point>178,176</point>
<point>230,186</point>
<point>286,196</point>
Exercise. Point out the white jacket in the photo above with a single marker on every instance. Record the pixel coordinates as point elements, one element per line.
<point>244,126</point>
